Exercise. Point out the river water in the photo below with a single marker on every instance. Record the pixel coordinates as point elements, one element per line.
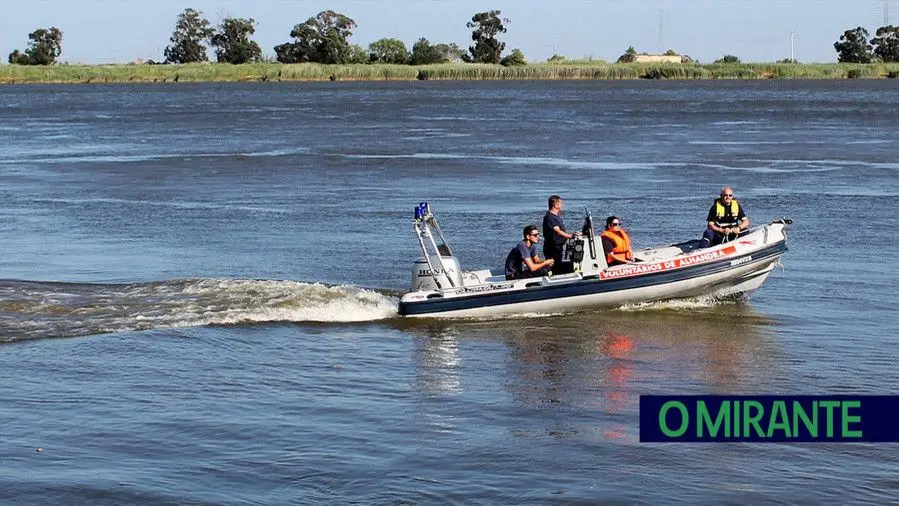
<point>198,289</point>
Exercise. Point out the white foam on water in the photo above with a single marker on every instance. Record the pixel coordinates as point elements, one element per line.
<point>775,170</point>
<point>294,301</point>
<point>65,309</point>
<point>432,135</point>
<point>835,163</point>
<point>753,143</point>
<point>513,160</point>
<point>414,156</point>
<point>275,152</point>
<point>687,304</point>
<point>168,204</point>
<point>703,302</point>
<point>738,122</point>
<point>515,316</point>
<point>871,141</point>
<point>453,118</point>
<point>573,164</point>
<point>76,154</point>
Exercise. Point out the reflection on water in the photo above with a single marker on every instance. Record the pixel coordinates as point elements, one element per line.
<point>437,361</point>
<point>582,375</point>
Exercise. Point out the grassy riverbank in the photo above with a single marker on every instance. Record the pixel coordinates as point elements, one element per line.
<point>208,72</point>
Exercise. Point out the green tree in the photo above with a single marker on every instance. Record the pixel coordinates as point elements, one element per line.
<point>425,53</point>
<point>853,46</point>
<point>322,39</point>
<point>17,58</point>
<point>728,58</point>
<point>515,58</point>
<point>44,46</point>
<point>629,56</point>
<point>451,51</point>
<point>187,39</point>
<point>388,51</point>
<point>487,25</point>
<point>232,41</point>
<point>886,43</point>
<point>556,58</point>
<point>356,54</point>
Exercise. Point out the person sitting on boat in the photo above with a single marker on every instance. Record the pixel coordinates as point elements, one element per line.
<point>523,261</point>
<point>726,220</point>
<point>616,244</point>
<point>555,235</point>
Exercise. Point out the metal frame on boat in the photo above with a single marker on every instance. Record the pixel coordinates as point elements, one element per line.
<point>441,289</point>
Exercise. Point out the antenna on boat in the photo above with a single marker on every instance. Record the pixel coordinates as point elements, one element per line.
<point>591,232</point>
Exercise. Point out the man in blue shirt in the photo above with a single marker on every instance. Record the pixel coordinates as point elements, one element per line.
<point>523,261</point>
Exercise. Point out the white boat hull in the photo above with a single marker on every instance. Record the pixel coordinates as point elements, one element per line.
<point>665,273</point>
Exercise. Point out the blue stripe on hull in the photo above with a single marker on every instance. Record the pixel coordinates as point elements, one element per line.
<point>586,287</point>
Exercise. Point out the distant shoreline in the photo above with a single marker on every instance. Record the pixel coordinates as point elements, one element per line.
<point>223,72</point>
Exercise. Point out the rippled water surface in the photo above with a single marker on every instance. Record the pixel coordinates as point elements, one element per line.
<point>198,288</point>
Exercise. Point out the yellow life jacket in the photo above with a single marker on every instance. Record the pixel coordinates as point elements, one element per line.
<point>721,212</point>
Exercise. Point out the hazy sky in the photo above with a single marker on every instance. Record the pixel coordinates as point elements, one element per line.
<point>119,31</point>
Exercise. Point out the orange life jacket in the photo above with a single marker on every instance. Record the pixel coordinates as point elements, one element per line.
<point>622,248</point>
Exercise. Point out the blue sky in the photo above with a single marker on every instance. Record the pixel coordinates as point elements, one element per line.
<point>119,31</point>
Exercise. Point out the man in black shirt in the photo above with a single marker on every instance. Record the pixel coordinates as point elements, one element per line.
<point>555,235</point>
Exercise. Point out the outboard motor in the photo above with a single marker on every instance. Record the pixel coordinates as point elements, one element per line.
<point>433,273</point>
<point>437,268</point>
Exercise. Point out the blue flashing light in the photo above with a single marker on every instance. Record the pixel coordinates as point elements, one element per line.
<point>422,210</point>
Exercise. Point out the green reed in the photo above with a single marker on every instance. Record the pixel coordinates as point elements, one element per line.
<point>581,69</point>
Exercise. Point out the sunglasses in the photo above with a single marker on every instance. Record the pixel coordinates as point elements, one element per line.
<point>731,195</point>
<point>616,224</point>
<point>535,234</point>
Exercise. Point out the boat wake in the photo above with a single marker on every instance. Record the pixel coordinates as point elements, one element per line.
<point>33,310</point>
<point>685,304</point>
<point>690,305</point>
<point>36,310</point>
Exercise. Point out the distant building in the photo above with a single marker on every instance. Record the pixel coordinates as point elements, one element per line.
<point>657,58</point>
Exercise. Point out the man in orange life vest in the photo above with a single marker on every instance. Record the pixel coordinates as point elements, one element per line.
<point>616,244</point>
<point>726,219</point>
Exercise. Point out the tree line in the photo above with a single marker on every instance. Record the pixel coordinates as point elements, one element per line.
<point>852,47</point>
<point>855,47</point>
<point>323,38</point>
